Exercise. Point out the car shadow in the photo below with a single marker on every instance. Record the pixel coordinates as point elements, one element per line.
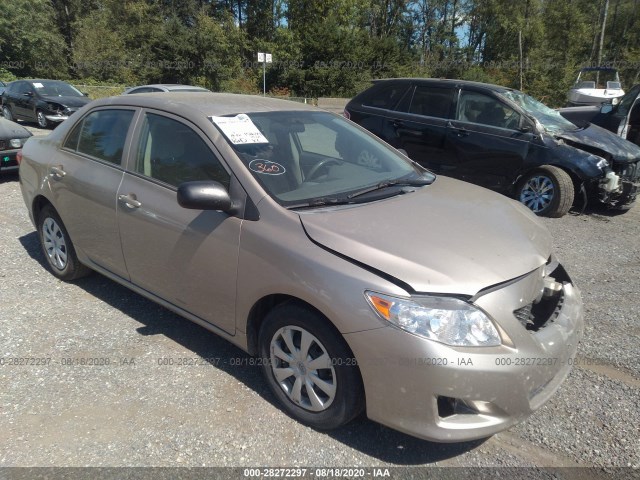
<point>6,177</point>
<point>366,436</point>
<point>597,210</point>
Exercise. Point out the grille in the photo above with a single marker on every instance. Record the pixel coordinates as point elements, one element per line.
<point>3,145</point>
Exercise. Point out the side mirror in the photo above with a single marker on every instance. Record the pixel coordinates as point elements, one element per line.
<point>85,94</point>
<point>403,152</point>
<point>606,108</point>
<point>204,195</point>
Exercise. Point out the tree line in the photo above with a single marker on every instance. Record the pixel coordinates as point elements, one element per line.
<point>319,47</point>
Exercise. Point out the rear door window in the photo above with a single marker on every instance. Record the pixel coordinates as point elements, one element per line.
<point>101,134</point>
<point>388,97</point>
<point>432,101</point>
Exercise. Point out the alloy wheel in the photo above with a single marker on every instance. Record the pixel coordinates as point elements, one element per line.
<point>537,193</point>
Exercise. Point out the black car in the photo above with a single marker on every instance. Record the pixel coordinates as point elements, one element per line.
<point>46,102</point>
<point>501,139</point>
<point>12,138</point>
<point>620,116</point>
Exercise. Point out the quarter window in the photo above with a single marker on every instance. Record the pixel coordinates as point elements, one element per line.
<point>173,153</point>
<point>479,108</point>
<point>101,134</point>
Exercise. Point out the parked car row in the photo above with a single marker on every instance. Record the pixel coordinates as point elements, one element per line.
<point>501,139</point>
<point>49,102</point>
<point>362,281</point>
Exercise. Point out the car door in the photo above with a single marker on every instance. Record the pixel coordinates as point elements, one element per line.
<point>485,142</point>
<point>20,101</point>
<point>627,114</point>
<point>186,257</point>
<point>84,178</point>
<point>421,130</point>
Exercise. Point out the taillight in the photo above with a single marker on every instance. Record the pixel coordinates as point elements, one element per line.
<point>19,156</point>
<point>346,114</point>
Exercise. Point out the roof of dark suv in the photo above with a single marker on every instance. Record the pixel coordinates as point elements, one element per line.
<point>444,82</point>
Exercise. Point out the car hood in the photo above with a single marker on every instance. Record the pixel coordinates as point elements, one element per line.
<point>594,136</point>
<point>9,130</point>
<point>448,237</point>
<point>68,101</point>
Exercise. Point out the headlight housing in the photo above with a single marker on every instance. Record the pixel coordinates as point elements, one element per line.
<point>601,163</point>
<point>16,142</point>
<point>446,320</point>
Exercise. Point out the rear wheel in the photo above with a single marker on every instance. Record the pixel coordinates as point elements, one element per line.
<point>548,191</point>
<point>57,247</point>
<point>309,367</point>
<point>6,113</point>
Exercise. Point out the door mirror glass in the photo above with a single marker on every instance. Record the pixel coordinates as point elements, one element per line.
<point>204,195</point>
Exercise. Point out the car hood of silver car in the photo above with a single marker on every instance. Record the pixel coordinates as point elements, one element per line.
<point>448,237</point>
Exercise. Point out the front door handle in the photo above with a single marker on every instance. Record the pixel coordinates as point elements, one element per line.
<point>130,200</point>
<point>57,171</point>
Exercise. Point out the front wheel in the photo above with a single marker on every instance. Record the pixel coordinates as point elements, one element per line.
<point>57,247</point>
<point>548,191</point>
<point>309,367</point>
<point>42,120</point>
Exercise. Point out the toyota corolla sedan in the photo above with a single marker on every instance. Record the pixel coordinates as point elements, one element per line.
<point>360,280</point>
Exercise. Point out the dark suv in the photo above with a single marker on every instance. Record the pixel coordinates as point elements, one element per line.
<point>501,139</point>
<point>46,102</point>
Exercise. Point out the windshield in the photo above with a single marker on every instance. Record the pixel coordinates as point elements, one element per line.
<point>547,117</point>
<point>56,89</point>
<point>305,157</point>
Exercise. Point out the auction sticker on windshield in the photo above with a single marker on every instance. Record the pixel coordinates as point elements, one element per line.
<point>239,129</point>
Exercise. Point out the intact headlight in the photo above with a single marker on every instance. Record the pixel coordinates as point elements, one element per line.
<point>15,142</point>
<point>444,319</point>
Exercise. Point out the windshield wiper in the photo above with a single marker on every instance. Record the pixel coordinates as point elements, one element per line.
<point>415,182</point>
<point>320,202</point>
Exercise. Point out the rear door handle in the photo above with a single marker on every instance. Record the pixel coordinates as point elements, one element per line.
<point>130,200</point>
<point>58,171</point>
<point>459,131</point>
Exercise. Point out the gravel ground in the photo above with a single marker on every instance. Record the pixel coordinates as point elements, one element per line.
<point>136,412</point>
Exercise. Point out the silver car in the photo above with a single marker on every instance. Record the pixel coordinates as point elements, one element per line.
<point>360,281</point>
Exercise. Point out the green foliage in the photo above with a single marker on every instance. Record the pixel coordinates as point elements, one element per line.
<point>320,48</point>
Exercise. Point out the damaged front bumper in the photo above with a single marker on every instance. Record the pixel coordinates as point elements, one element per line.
<point>620,184</point>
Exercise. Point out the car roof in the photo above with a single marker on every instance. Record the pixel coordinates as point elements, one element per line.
<point>446,82</point>
<point>168,86</point>
<point>207,103</point>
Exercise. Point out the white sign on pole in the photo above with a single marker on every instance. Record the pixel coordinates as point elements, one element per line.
<point>260,57</point>
<point>268,58</point>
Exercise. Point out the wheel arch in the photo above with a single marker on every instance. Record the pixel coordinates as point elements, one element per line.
<point>263,306</point>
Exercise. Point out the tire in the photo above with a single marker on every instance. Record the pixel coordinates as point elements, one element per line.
<point>548,191</point>
<point>57,247</point>
<point>330,392</point>
<point>42,120</point>
<point>6,113</point>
